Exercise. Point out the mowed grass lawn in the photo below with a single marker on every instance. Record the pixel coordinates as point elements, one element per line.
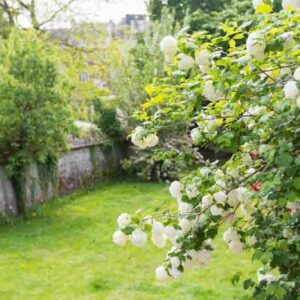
<point>64,250</point>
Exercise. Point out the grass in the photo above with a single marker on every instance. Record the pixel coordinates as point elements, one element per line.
<point>64,251</point>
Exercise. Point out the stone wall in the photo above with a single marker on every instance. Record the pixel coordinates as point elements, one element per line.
<point>82,165</point>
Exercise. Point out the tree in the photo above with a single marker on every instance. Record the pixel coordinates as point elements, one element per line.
<point>35,110</point>
<point>245,98</point>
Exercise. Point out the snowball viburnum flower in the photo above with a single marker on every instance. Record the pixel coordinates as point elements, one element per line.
<point>220,197</point>
<point>161,273</point>
<point>210,92</point>
<point>256,45</point>
<point>175,189</point>
<point>257,3</point>
<point>297,74</point>
<point>291,90</point>
<point>233,198</point>
<point>170,232</point>
<point>206,201</point>
<point>191,190</point>
<point>196,135</point>
<point>295,4</point>
<point>185,225</point>
<point>159,240</point>
<point>185,62</point>
<point>216,211</point>
<point>139,139</point>
<point>231,235</point>
<point>202,60</point>
<point>138,238</point>
<point>185,208</point>
<point>120,238</point>
<point>124,220</point>
<point>168,46</point>
<point>236,246</point>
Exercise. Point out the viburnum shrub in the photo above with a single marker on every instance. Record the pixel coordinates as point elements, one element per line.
<point>245,98</point>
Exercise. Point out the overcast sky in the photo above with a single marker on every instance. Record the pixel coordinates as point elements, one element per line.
<point>92,10</point>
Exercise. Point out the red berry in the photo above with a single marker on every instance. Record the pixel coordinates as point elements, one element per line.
<point>254,154</point>
<point>256,186</point>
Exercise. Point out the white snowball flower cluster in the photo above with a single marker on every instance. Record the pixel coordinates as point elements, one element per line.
<point>120,238</point>
<point>197,259</point>
<point>138,238</point>
<point>210,93</point>
<point>161,273</point>
<point>175,189</point>
<point>196,135</point>
<point>139,139</point>
<point>192,190</point>
<point>295,4</point>
<point>256,45</point>
<point>267,277</point>
<point>185,62</point>
<point>124,220</point>
<point>233,239</point>
<point>202,60</point>
<point>168,46</point>
<point>158,237</point>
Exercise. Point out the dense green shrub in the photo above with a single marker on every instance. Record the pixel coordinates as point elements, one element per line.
<point>35,113</point>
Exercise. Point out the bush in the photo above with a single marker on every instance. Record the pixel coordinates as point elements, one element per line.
<point>244,97</point>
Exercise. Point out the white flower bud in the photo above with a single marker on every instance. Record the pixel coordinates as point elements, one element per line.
<point>191,190</point>
<point>124,220</point>
<point>216,211</point>
<point>138,238</point>
<point>204,171</point>
<point>157,228</point>
<point>185,62</point>
<point>168,46</point>
<point>231,235</point>
<point>161,273</point>
<point>185,225</point>
<point>170,232</point>
<point>233,198</point>
<point>233,172</point>
<point>120,238</point>
<point>202,58</point>
<point>185,208</point>
<point>236,246</point>
<point>175,189</point>
<point>291,90</point>
<point>210,93</point>
<point>206,201</point>
<point>175,262</point>
<point>221,183</point>
<point>297,74</point>
<point>256,45</point>
<point>159,240</point>
<point>295,4</point>
<point>220,197</point>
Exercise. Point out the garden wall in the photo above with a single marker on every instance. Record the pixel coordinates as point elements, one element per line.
<point>84,164</point>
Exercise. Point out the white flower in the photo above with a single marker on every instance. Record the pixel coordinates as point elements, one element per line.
<point>231,235</point>
<point>220,197</point>
<point>170,232</point>
<point>202,58</point>
<point>236,246</point>
<point>206,201</point>
<point>297,74</point>
<point>204,257</point>
<point>233,172</point>
<point>204,69</point>
<point>138,238</point>
<point>196,259</point>
<point>185,62</point>
<point>168,46</point>
<point>244,195</point>
<point>256,45</point>
<point>250,171</point>
<point>252,240</point>
<point>233,198</point>
<point>175,262</point>
<point>185,208</point>
<point>221,183</point>
<point>139,139</point>
<point>151,140</point>
<point>204,171</point>
<point>196,135</point>
<point>161,273</point>
<point>124,220</point>
<point>159,240</point>
<point>185,225</point>
<point>267,277</point>
<point>257,3</point>
<point>290,90</point>
<point>216,211</point>
<point>295,4</point>
<point>191,190</point>
<point>210,93</point>
<point>255,110</point>
<point>158,228</point>
<point>175,189</point>
<point>287,233</point>
<point>288,38</point>
<point>175,273</point>
<point>120,238</point>
<point>219,175</point>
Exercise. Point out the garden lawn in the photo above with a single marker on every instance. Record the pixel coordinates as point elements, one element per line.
<point>64,250</point>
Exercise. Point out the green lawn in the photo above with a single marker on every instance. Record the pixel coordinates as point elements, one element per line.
<point>64,251</point>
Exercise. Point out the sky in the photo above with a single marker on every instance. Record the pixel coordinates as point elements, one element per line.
<point>89,11</point>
